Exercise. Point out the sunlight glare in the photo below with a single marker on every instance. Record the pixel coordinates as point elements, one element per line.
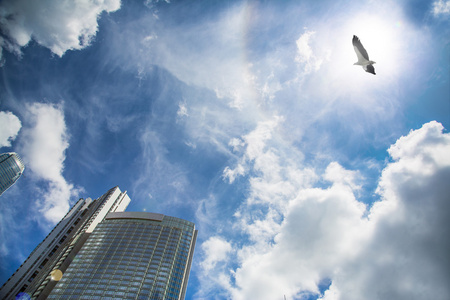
<point>381,39</point>
<point>385,37</point>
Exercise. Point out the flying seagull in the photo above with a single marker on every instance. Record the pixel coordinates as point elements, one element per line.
<point>363,57</point>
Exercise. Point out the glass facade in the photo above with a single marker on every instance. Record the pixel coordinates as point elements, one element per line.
<point>56,251</point>
<point>11,167</point>
<point>131,257</point>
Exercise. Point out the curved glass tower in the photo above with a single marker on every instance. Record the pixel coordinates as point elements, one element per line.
<point>131,255</point>
<point>11,167</point>
<point>99,251</point>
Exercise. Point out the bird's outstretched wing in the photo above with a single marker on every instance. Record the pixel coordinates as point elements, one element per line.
<point>359,49</point>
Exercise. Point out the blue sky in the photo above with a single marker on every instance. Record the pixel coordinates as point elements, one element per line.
<point>306,176</point>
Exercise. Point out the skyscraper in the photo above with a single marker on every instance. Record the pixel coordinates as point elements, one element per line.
<point>131,255</point>
<point>66,238</point>
<point>11,167</point>
<point>98,250</point>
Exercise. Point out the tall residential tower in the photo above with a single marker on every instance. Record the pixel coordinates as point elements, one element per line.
<point>11,167</point>
<point>69,232</point>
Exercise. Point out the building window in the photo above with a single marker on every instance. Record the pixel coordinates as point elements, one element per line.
<point>23,288</point>
<point>53,251</point>
<point>33,276</point>
<point>43,263</point>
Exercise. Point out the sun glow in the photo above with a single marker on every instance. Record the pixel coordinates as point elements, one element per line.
<point>383,36</point>
<point>379,38</point>
<point>388,39</point>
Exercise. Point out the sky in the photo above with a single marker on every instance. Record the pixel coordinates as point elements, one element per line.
<point>306,177</point>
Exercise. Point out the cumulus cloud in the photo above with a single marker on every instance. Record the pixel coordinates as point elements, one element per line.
<point>305,233</point>
<point>217,250</point>
<point>57,25</point>
<point>10,126</point>
<point>407,256</point>
<point>301,238</point>
<point>43,145</point>
<point>338,175</point>
<point>321,229</point>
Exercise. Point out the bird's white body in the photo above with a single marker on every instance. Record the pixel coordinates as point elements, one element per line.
<point>364,63</point>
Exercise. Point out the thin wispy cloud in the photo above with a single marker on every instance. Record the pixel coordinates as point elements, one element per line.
<point>305,54</point>
<point>182,110</point>
<point>441,7</point>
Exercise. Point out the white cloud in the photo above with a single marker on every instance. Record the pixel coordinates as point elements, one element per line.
<point>305,55</point>
<point>10,126</point>
<point>254,143</point>
<point>216,250</point>
<point>43,145</point>
<point>407,256</point>
<point>231,174</point>
<point>256,139</point>
<point>299,236</point>
<point>420,146</point>
<point>185,52</point>
<point>338,175</point>
<point>236,144</point>
<point>441,7</point>
<point>57,25</point>
<point>182,110</point>
<point>303,235</point>
<point>321,229</point>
